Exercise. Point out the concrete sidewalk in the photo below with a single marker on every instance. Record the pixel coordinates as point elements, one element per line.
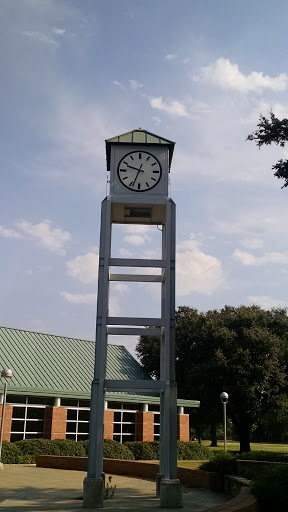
<point>25,488</point>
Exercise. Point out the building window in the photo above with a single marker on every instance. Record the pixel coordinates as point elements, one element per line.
<point>27,419</point>
<point>124,423</point>
<point>156,426</point>
<point>77,426</point>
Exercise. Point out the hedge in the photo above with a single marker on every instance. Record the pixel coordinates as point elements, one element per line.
<point>113,450</point>
<point>10,453</point>
<point>144,450</point>
<point>221,462</point>
<point>271,489</point>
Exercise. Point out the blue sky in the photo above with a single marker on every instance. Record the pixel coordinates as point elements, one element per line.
<point>75,73</point>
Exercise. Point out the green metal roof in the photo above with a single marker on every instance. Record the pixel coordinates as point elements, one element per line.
<point>141,137</point>
<point>49,365</point>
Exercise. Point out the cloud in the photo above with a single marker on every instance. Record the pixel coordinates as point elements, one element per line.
<point>85,298</point>
<point>228,76</point>
<point>9,233</point>
<point>252,243</point>
<point>138,234</point>
<point>115,82</point>
<point>249,259</point>
<point>53,239</point>
<point>196,271</point>
<point>59,31</point>
<point>84,268</point>
<point>171,56</point>
<point>175,108</point>
<point>40,37</point>
<point>267,302</point>
<point>135,85</point>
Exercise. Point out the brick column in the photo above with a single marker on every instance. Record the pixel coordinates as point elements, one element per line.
<point>183,427</point>
<point>7,421</point>
<point>55,423</point>
<point>144,426</point>
<point>108,424</point>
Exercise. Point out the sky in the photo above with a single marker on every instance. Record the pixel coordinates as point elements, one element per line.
<point>74,73</point>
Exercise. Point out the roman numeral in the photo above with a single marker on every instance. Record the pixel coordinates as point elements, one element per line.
<point>154,164</point>
<point>140,156</point>
<point>153,179</point>
<point>125,163</point>
<point>147,158</point>
<point>131,157</point>
<point>126,177</point>
<point>155,171</point>
<point>131,184</point>
<point>139,186</point>
<point>147,184</point>
<point>125,170</point>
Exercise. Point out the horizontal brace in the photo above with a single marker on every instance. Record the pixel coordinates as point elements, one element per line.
<point>120,320</point>
<point>126,262</point>
<point>134,385</point>
<point>136,278</point>
<point>137,331</point>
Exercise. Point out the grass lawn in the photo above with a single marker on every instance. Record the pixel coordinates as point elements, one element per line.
<point>234,446</point>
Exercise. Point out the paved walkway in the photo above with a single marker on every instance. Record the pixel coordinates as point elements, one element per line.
<point>25,488</point>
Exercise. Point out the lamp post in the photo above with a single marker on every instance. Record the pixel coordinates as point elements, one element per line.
<point>224,399</point>
<point>6,374</point>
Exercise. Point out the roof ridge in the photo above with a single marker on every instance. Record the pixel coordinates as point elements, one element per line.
<point>57,336</point>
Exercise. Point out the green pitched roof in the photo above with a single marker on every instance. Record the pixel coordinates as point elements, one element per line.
<point>141,137</point>
<point>49,365</point>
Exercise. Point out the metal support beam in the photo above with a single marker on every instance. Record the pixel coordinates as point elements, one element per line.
<point>134,331</point>
<point>120,320</point>
<point>136,278</point>
<point>127,262</point>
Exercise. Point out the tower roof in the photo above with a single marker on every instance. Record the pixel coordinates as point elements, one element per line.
<point>139,137</point>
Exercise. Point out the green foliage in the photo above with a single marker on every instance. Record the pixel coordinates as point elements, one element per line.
<point>10,453</point>
<point>144,450</point>
<point>221,462</point>
<point>264,456</point>
<point>241,350</point>
<point>112,450</point>
<point>271,488</point>
<point>273,130</point>
<point>33,447</point>
<point>192,451</point>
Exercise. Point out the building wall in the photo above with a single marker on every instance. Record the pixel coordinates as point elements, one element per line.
<point>72,422</point>
<point>7,421</point>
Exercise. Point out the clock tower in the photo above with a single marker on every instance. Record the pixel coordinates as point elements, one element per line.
<point>139,165</point>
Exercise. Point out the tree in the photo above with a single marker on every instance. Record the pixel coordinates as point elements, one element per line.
<point>273,130</point>
<point>239,350</point>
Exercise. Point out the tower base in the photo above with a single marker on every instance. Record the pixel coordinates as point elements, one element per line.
<point>93,492</point>
<point>170,493</point>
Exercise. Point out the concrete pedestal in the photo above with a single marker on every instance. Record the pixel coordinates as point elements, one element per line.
<point>93,492</point>
<point>158,482</point>
<point>170,494</point>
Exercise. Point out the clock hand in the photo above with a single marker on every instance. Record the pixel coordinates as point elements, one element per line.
<point>135,168</point>
<point>139,170</point>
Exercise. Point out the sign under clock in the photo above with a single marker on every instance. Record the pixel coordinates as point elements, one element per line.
<point>139,171</point>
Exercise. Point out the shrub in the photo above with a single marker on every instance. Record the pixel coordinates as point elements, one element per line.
<point>144,450</point>
<point>271,488</point>
<point>33,447</point>
<point>10,453</point>
<point>264,456</point>
<point>192,451</point>
<point>113,450</point>
<point>221,462</point>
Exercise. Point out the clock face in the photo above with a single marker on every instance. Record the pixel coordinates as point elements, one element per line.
<point>139,171</point>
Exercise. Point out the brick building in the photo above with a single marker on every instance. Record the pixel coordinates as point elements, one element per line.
<point>49,393</point>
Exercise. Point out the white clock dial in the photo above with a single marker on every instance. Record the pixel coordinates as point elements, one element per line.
<point>139,171</point>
